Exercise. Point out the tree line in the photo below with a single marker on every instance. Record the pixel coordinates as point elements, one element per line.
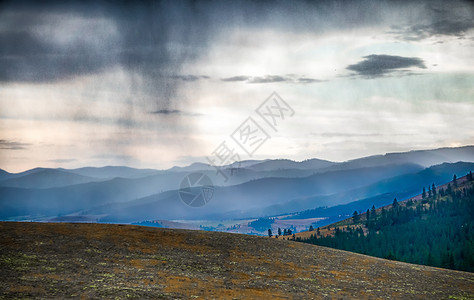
<point>437,230</point>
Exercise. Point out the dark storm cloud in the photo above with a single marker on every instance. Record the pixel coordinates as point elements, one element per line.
<point>267,79</point>
<point>26,57</point>
<point>454,20</point>
<point>52,41</point>
<point>153,38</point>
<point>11,145</point>
<point>190,77</point>
<point>236,78</point>
<point>168,112</point>
<point>271,79</point>
<point>418,32</point>
<point>29,53</point>
<point>379,65</point>
<point>447,27</point>
<point>307,80</point>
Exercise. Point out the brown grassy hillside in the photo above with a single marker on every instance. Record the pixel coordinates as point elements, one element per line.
<point>45,260</point>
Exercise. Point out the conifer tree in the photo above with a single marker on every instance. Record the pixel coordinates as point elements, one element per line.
<point>355,216</point>
<point>395,203</point>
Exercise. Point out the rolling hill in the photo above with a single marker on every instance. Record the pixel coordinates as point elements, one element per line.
<point>45,260</point>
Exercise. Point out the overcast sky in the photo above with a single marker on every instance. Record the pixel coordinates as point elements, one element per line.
<point>165,83</point>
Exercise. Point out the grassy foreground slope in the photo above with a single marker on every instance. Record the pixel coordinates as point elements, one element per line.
<point>59,260</point>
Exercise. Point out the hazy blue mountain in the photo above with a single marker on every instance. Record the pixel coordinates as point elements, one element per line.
<point>246,163</point>
<point>192,168</point>
<point>6,175</point>
<point>425,158</point>
<point>278,164</point>
<point>256,188</point>
<point>247,198</point>
<point>378,194</point>
<point>255,169</point>
<point>46,178</point>
<point>273,189</point>
<point>110,172</point>
<point>67,199</point>
<point>255,193</point>
<point>107,172</point>
<point>402,187</point>
<point>342,211</point>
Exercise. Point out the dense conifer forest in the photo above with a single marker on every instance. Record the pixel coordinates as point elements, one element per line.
<point>436,230</point>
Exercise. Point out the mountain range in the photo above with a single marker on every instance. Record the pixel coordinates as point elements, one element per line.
<point>255,188</point>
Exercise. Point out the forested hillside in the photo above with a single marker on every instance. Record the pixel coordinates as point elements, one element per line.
<point>436,230</point>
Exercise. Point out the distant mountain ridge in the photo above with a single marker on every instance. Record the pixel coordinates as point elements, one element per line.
<point>257,187</point>
<point>380,192</point>
<point>46,178</point>
<point>248,201</point>
<point>275,164</point>
<point>425,158</point>
<point>112,172</point>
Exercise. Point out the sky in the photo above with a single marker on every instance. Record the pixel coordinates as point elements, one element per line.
<point>153,84</point>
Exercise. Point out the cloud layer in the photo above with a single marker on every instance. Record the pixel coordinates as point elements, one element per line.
<point>12,145</point>
<point>271,79</point>
<point>149,82</point>
<point>455,21</point>
<point>379,65</point>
